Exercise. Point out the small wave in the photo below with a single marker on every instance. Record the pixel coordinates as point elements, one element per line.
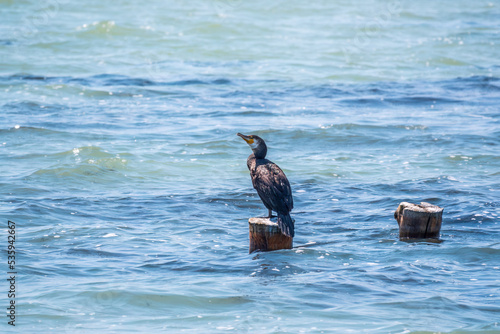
<point>26,77</point>
<point>31,106</point>
<point>471,84</point>
<point>30,130</point>
<point>328,91</point>
<point>90,152</point>
<point>93,253</point>
<point>82,163</point>
<point>158,300</point>
<point>73,171</point>
<point>105,80</point>
<point>129,82</point>
<point>475,254</point>
<point>102,28</point>
<point>6,42</point>
<point>418,100</point>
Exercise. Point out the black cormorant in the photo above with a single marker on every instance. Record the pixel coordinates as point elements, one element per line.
<point>271,184</point>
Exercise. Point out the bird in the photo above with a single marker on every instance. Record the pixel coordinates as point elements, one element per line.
<point>271,184</point>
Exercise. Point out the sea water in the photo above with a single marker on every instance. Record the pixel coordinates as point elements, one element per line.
<point>122,171</point>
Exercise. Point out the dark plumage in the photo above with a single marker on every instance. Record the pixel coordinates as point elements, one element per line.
<point>271,184</point>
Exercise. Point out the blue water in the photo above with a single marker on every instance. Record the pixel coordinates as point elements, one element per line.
<point>121,166</point>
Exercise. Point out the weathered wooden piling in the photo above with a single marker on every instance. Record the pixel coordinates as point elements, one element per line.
<point>418,221</point>
<point>265,235</point>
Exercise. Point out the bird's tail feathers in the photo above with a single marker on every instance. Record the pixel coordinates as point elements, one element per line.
<point>285,223</point>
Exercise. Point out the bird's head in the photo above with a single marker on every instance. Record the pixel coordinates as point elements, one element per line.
<point>257,145</point>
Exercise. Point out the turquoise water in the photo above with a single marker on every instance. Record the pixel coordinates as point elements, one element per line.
<point>121,166</point>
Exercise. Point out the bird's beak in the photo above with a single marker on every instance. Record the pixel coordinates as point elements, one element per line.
<point>246,138</point>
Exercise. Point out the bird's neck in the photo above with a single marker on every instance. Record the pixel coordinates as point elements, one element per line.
<point>260,151</point>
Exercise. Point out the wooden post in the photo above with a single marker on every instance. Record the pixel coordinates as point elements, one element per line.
<point>265,235</point>
<point>418,221</point>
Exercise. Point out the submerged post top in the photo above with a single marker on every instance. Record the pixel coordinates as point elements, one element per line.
<point>422,207</point>
<point>262,221</point>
